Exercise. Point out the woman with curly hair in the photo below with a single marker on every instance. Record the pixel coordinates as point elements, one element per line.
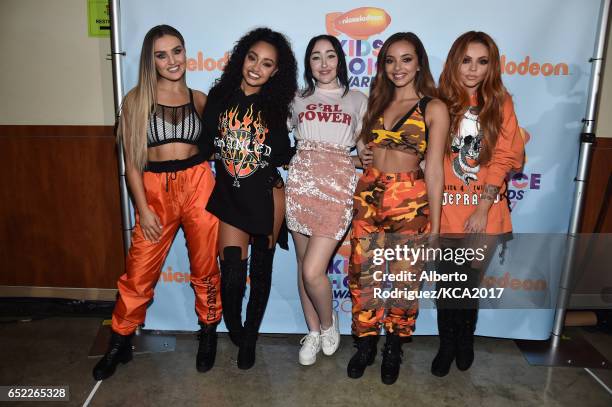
<point>484,144</point>
<point>327,119</point>
<point>246,119</point>
<point>394,203</point>
<point>171,182</point>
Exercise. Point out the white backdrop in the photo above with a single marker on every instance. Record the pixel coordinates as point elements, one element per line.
<point>545,47</point>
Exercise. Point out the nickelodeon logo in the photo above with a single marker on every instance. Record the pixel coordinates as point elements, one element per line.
<point>359,23</point>
<point>207,64</point>
<point>171,276</point>
<point>527,67</point>
<point>514,283</point>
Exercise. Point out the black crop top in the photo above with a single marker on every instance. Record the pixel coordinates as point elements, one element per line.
<point>174,124</point>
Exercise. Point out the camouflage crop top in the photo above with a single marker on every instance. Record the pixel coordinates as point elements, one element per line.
<point>409,133</point>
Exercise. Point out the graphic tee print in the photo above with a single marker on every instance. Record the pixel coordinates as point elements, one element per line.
<point>241,145</point>
<point>467,143</point>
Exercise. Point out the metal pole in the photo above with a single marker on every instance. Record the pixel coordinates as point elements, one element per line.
<point>116,55</point>
<point>587,138</point>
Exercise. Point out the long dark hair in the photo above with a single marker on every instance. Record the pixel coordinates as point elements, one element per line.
<point>278,92</point>
<point>382,89</point>
<point>341,69</point>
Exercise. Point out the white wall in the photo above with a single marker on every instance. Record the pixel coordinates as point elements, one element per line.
<point>53,73</point>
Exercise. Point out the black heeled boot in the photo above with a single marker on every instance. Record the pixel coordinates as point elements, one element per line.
<point>466,325</point>
<point>440,366</point>
<point>119,351</point>
<point>260,274</point>
<point>392,358</point>
<point>233,286</point>
<point>207,348</point>
<point>364,357</point>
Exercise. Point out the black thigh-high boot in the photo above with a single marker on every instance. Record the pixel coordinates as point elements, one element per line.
<point>260,275</point>
<point>233,286</point>
<point>466,325</point>
<point>119,351</point>
<point>440,366</point>
<point>446,319</point>
<point>465,322</point>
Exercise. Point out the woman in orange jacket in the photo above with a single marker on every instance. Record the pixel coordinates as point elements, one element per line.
<point>484,145</point>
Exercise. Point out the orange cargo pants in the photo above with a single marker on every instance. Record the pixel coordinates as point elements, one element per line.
<point>390,210</point>
<point>178,198</point>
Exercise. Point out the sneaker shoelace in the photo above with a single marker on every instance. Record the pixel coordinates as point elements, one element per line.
<point>309,340</point>
<point>327,337</point>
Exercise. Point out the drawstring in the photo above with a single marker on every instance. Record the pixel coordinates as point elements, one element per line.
<point>170,176</point>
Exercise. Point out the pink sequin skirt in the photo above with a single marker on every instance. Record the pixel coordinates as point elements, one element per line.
<point>319,190</point>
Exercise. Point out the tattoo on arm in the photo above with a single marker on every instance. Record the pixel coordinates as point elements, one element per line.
<point>490,192</point>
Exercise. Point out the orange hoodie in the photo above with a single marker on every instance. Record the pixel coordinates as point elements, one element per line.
<point>464,179</point>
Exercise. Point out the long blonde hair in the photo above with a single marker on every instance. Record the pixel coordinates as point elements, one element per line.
<point>141,100</point>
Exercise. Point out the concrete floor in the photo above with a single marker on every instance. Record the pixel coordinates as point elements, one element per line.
<point>54,352</point>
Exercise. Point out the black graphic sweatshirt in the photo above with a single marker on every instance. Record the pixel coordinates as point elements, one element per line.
<point>247,146</point>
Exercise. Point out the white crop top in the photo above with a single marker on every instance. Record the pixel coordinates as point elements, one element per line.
<point>327,116</point>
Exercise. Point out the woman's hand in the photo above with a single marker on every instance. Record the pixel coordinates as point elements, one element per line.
<point>366,155</point>
<point>477,222</point>
<point>151,225</point>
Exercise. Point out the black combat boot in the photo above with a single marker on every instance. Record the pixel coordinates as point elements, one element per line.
<point>364,357</point>
<point>207,348</point>
<point>392,358</point>
<point>119,351</point>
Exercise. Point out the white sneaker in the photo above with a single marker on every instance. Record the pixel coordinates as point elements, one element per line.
<point>311,345</point>
<point>330,338</point>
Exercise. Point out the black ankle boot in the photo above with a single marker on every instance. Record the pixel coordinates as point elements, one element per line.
<point>207,348</point>
<point>447,332</point>
<point>392,358</point>
<point>466,325</point>
<point>233,286</point>
<point>260,274</point>
<point>119,351</point>
<point>364,357</point>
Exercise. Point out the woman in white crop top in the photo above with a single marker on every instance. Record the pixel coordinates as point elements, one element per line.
<point>326,118</point>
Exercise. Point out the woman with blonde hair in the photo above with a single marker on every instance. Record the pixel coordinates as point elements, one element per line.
<point>170,181</point>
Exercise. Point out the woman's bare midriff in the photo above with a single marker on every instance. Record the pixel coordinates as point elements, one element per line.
<point>393,161</point>
<point>171,151</point>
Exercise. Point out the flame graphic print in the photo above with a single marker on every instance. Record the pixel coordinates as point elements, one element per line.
<point>241,143</point>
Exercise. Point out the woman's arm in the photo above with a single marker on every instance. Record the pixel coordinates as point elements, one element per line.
<point>365,154</point>
<point>508,153</point>
<point>149,222</point>
<point>282,151</point>
<point>210,119</point>
<point>438,122</point>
